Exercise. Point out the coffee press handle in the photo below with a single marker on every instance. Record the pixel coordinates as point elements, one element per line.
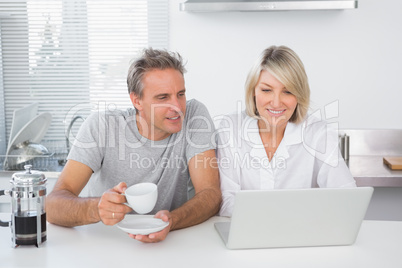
<point>4,223</point>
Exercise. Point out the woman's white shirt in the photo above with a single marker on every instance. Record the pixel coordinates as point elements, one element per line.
<point>308,156</point>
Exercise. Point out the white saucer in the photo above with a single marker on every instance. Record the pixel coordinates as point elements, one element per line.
<point>134,224</point>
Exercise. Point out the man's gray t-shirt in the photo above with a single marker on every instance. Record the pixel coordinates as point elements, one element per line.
<point>110,144</point>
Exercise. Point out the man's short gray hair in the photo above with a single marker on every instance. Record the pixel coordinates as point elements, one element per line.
<point>151,59</point>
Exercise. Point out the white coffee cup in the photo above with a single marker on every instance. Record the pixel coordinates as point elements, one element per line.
<point>142,197</point>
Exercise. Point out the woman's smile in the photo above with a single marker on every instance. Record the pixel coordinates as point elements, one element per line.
<point>275,104</point>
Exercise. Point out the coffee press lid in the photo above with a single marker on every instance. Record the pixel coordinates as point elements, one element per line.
<point>29,177</point>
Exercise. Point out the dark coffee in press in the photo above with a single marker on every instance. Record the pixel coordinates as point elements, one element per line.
<point>26,229</point>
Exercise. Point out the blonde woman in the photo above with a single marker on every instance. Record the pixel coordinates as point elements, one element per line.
<point>274,144</point>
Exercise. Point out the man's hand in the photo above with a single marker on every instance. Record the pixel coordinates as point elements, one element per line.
<point>111,206</point>
<point>159,236</point>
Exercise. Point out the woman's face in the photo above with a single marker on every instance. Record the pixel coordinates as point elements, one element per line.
<point>274,102</point>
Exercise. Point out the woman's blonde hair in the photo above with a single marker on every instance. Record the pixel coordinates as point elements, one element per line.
<point>284,64</point>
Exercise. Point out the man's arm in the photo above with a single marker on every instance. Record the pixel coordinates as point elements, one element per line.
<point>64,207</point>
<point>206,202</point>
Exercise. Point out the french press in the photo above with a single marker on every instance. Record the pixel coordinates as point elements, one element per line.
<point>28,215</point>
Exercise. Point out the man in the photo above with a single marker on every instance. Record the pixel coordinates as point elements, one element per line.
<point>165,140</point>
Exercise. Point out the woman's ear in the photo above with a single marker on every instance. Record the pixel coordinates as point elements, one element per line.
<point>136,101</point>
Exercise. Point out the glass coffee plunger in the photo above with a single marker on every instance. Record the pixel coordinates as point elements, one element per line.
<point>28,218</point>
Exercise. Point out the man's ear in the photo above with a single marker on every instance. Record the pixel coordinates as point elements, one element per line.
<point>136,101</point>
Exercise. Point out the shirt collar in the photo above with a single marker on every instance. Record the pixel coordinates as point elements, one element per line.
<point>292,136</point>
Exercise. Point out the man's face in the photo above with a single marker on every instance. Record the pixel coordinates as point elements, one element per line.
<point>163,104</point>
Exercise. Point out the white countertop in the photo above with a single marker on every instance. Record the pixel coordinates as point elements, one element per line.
<point>379,244</point>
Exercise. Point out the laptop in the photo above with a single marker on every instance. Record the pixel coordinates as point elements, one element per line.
<point>295,217</point>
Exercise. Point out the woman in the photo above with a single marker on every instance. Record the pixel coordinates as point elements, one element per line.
<point>274,144</point>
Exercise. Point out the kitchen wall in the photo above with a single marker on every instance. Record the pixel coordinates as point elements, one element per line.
<point>352,57</point>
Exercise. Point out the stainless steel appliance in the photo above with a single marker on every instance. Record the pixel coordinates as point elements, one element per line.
<point>28,214</point>
<point>344,142</point>
<point>265,5</point>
